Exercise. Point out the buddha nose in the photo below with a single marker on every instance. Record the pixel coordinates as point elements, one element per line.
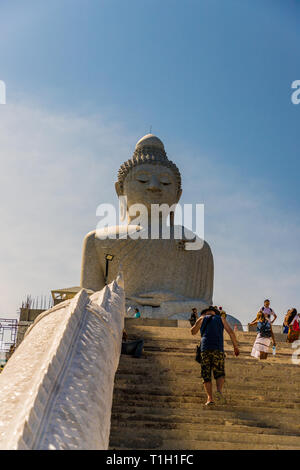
<point>154,184</point>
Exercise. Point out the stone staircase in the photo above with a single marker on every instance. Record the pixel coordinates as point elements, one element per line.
<point>159,399</point>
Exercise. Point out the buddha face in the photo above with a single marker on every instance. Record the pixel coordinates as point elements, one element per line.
<point>151,184</point>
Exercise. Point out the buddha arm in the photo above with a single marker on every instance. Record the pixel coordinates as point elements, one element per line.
<point>92,276</point>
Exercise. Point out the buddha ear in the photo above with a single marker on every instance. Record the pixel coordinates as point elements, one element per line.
<point>118,189</point>
<point>179,192</point>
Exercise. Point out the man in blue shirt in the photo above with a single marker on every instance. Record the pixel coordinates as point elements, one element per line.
<point>211,326</point>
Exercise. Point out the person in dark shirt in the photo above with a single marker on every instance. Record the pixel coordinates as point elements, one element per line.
<point>211,326</point>
<point>132,348</point>
<point>193,317</point>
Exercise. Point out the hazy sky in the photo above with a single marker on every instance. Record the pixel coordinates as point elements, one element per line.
<point>85,80</point>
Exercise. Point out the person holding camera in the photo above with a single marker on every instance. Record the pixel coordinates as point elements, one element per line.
<point>211,326</point>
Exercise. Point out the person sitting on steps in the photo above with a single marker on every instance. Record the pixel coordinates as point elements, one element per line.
<point>132,348</point>
<point>211,327</point>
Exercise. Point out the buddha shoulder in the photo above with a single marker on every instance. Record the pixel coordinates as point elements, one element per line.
<point>110,233</point>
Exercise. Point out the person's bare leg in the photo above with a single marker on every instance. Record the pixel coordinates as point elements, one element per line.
<point>219,396</point>
<point>220,382</point>
<point>208,389</point>
<point>263,355</point>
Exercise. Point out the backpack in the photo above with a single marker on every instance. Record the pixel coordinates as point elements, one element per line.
<point>264,329</point>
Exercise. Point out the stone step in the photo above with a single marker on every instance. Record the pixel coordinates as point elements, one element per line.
<point>204,428</point>
<point>190,352</point>
<point>215,434</point>
<point>184,403</point>
<point>234,368</point>
<point>191,342</point>
<point>118,444</point>
<point>186,378</point>
<point>283,420</point>
<point>204,420</point>
<point>193,379</point>
<point>173,357</point>
<point>188,417</point>
<point>229,445</point>
<point>189,400</point>
<point>184,370</point>
<point>217,413</point>
<point>185,333</point>
<point>190,383</point>
<point>190,390</point>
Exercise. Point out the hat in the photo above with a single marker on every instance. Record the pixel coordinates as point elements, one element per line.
<point>208,309</point>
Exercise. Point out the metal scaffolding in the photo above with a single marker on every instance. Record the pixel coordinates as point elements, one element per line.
<point>8,336</point>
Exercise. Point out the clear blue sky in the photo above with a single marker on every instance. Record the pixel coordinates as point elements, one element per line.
<point>86,79</point>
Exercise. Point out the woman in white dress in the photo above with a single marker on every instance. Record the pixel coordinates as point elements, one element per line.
<point>263,339</point>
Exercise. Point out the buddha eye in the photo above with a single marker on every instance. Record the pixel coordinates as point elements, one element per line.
<point>165,181</point>
<point>142,178</point>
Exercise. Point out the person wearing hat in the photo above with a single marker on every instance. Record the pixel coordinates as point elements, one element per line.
<point>211,326</point>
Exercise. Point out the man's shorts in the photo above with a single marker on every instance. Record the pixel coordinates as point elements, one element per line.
<point>212,361</point>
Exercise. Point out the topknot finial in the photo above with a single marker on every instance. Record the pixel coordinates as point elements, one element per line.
<point>150,140</point>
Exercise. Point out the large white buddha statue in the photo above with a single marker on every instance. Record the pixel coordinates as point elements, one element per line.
<point>162,277</point>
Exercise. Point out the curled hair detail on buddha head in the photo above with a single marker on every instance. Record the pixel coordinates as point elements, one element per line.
<point>145,152</point>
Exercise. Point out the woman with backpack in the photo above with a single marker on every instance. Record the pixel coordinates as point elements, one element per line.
<point>263,339</point>
<point>291,321</point>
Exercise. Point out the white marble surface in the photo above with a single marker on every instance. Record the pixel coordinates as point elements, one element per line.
<point>56,390</point>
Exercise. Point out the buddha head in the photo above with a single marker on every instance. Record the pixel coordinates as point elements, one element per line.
<point>149,177</point>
